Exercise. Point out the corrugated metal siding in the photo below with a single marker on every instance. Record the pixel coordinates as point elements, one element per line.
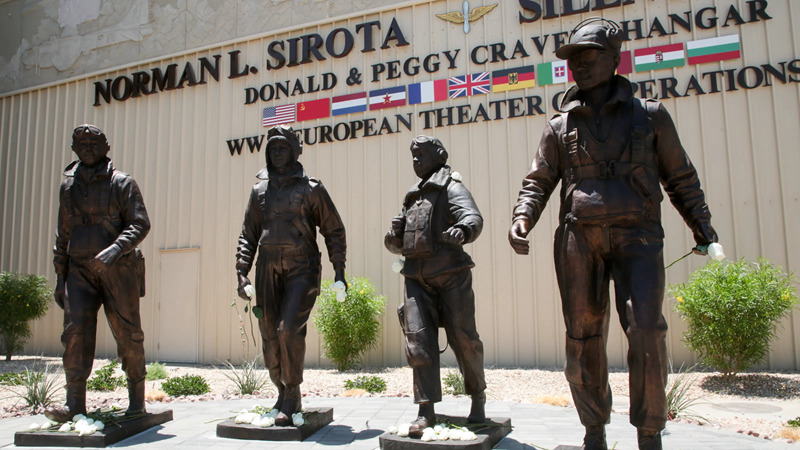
<point>744,144</point>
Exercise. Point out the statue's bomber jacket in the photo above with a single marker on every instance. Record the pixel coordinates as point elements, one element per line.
<point>285,216</point>
<point>430,208</point>
<point>563,148</point>
<point>106,210</point>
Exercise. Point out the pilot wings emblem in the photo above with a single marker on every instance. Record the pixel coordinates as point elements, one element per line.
<point>466,16</point>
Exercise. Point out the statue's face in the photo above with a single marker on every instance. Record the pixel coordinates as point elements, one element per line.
<point>280,155</point>
<point>593,68</point>
<point>91,149</point>
<point>425,161</point>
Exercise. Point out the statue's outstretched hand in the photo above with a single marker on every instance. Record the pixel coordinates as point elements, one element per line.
<point>518,236</point>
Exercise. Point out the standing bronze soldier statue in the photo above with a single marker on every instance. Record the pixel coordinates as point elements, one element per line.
<point>612,153</point>
<point>280,223</point>
<point>439,216</point>
<point>101,220</point>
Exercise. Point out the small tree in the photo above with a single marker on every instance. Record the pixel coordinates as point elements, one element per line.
<point>733,310</point>
<point>351,327</point>
<point>22,298</point>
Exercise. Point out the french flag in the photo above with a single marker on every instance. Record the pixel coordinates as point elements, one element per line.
<point>427,91</point>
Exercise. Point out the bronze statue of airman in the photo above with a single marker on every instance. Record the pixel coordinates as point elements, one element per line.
<point>611,153</point>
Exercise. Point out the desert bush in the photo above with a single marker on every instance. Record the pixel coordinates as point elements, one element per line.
<point>185,385</point>
<point>105,378</point>
<point>23,298</point>
<point>349,328</point>
<point>39,388</point>
<point>454,383</point>
<point>372,384</point>
<point>156,371</point>
<point>249,379</point>
<point>733,310</point>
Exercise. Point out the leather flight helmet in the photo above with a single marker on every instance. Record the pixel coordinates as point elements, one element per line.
<point>286,134</point>
<point>594,32</point>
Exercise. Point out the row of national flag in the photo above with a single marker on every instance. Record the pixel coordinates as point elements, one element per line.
<point>639,60</point>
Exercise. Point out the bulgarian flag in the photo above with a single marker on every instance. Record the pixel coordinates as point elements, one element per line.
<point>714,49</point>
<point>660,57</point>
<point>553,73</point>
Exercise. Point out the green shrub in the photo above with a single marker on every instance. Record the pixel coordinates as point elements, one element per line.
<point>185,385</point>
<point>350,328</point>
<point>104,379</point>
<point>22,298</point>
<point>732,310</point>
<point>454,383</point>
<point>15,378</point>
<point>156,371</point>
<point>372,384</point>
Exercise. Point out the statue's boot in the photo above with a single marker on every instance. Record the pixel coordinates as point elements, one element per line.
<point>292,403</point>
<point>595,438</point>
<point>281,395</point>
<point>425,419</point>
<point>649,438</point>
<point>136,403</point>
<point>477,413</point>
<point>76,404</point>
<point>275,376</point>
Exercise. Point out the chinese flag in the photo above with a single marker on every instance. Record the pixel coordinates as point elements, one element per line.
<point>315,109</point>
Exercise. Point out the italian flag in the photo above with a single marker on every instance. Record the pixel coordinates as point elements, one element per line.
<point>553,72</point>
<point>714,49</point>
<point>660,57</point>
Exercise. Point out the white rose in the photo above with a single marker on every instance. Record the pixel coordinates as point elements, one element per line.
<point>265,422</point>
<point>78,417</point>
<point>34,426</point>
<point>456,176</point>
<point>398,265</point>
<point>273,412</point>
<point>100,425</point>
<point>443,435</point>
<point>456,434</point>
<point>392,430</point>
<point>66,427</point>
<point>341,291</point>
<point>249,291</point>
<point>403,429</point>
<point>469,436</point>
<point>715,251</point>
<point>46,425</point>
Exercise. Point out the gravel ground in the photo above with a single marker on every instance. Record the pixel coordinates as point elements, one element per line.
<point>546,385</point>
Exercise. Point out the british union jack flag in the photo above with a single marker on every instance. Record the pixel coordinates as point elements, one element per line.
<point>466,85</point>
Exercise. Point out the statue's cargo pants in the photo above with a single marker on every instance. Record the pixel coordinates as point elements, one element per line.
<point>586,258</point>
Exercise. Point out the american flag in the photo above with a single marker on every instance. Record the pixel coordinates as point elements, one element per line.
<point>276,115</point>
<point>465,85</point>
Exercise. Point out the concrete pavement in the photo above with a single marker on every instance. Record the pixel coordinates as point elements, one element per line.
<point>359,421</point>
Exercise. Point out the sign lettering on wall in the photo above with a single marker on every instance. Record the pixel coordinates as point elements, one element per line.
<point>392,85</point>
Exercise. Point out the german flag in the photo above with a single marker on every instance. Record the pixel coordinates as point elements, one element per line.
<point>511,79</point>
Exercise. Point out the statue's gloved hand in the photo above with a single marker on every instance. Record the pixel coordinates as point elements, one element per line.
<point>61,291</point>
<point>704,235</point>
<point>518,236</point>
<point>243,283</point>
<point>105,259</point>
<point>398,224</point>
<point>339,276</point>
<point>453,235</point>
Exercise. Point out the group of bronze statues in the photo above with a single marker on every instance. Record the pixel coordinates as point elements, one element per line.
<point>611,152</point>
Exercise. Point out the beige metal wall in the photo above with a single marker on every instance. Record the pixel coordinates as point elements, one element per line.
<point>744,144</point>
